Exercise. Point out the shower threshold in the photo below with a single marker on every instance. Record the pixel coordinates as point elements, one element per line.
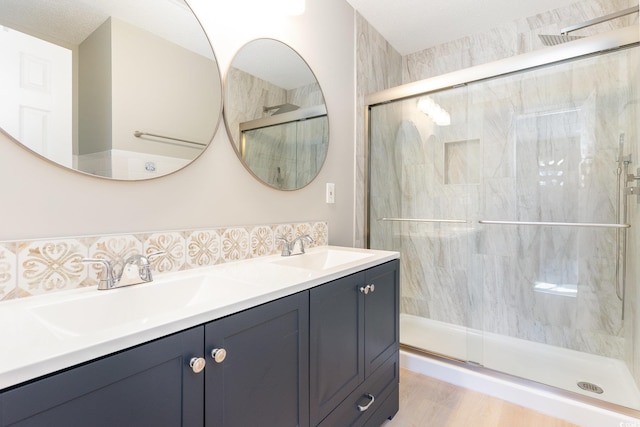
<point>541,364</point>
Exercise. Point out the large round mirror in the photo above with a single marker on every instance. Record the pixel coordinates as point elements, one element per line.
<point>115,88</point>
<point>275,114</point>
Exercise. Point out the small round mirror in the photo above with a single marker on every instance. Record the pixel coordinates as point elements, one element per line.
<point>275,114</point>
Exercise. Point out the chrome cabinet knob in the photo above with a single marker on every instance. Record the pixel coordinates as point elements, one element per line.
<point>219,354</point>
<point>369,288</point>
<point>197,364</point>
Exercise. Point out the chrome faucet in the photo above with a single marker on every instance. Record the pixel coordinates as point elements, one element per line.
<point>288,247</point>
<point>136,270</point>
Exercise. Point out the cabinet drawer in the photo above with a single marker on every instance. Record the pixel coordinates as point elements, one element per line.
<point>379,385</point>
<point>386,410</point>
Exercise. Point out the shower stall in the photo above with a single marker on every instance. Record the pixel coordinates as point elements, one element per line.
<point>510,191</point>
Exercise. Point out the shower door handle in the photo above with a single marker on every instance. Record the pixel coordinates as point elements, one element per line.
<point>554,224</point>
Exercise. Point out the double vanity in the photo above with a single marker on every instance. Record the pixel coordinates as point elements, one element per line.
<point>303,340</point>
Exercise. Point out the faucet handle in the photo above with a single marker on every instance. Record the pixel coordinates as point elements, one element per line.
<point>286,246</point>
<point>301,239</point>
<point>155,254</point>
<point>148,258</point>
<point>143,265</point>
<point>107,281</point>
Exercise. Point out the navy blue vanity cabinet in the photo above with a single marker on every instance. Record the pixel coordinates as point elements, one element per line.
<point>263,378</point>
<point>354,348</point>
<point>150,385</point>
<point>326,356</point>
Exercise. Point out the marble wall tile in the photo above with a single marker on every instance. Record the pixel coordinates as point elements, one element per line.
<point>42,266</point>
<point>378,67</point>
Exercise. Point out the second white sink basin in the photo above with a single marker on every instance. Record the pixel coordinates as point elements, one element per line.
<point>324,260</point>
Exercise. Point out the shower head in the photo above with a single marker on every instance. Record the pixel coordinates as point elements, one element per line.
<point>279,109</point>
<point>552,39</point>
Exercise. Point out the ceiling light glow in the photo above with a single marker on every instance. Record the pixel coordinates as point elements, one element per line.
<point>431,108</point>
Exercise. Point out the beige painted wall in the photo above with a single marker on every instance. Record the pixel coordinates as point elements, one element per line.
<point>39,199</point>
<point>162,88</point>
<point>94,91</point>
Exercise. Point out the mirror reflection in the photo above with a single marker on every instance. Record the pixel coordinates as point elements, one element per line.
<point>275,114</point>
<point>115,88</point>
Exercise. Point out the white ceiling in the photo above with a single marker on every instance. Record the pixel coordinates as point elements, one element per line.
<point>413,25</point>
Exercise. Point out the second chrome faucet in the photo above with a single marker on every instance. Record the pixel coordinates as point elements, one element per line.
<point>289,247</point>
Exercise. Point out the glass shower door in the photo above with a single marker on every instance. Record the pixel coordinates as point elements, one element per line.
<point>549,223</point>
<point>424,177</point>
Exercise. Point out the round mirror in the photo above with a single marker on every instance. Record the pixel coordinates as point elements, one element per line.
<point>275,114</point>
<point>114,88</point>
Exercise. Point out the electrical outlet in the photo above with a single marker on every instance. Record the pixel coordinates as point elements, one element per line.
<point>331,193</point>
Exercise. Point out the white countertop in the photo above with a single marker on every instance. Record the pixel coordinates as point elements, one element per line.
<point>52,332</point>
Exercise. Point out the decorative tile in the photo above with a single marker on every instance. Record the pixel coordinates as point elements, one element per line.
<point>203,248</point>
<point>286,231</point>
<point>8,270</point>
<point>302,229</point>
<point>262,241</point>
<point>172,244</point>
<point>235,244</point>
<point>51,265</point>
<point>37,267</point>
<point>320,233</point>
<point>115,249</point>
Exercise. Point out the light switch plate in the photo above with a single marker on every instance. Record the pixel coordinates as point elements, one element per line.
<point>331,193</point>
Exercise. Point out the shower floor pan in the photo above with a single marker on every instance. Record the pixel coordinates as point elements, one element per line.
<point>542,363</point>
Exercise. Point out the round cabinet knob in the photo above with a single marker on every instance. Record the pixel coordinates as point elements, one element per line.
<point>372,287</point>
<point>365,289</point>
<point>197,364</point>
<point>219,354</point>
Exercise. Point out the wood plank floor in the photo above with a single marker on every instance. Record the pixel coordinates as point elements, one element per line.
<point>427,402</point>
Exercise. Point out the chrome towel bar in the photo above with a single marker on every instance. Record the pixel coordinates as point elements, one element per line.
<point>138,134</point>
<point>446,221</point>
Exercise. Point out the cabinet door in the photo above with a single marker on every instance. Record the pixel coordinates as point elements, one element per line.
<point>336,343</point>
<point>264,379</point>
<point>381,315</point>
<point>149,385</point>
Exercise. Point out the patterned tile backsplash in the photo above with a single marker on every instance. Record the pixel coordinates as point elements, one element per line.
<point>36,267</point>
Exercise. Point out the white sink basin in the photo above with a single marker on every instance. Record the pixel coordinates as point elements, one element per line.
<point>324,260</point>
<point>137,305</point>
